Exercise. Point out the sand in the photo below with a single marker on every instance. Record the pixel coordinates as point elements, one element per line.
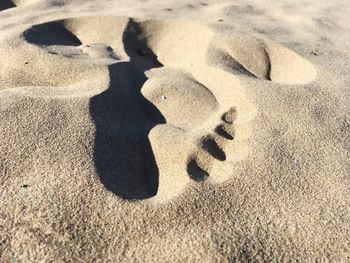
<point>174,131</point>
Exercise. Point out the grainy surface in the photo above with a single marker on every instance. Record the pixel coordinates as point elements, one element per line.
<point>177,131</point>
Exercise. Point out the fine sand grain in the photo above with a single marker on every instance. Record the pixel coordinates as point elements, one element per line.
<point>177,131</point>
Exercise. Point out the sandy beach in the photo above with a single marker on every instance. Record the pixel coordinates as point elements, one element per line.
<point>174,131</point>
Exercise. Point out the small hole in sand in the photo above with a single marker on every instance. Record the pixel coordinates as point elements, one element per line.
<point>222,132</point>
<point>211,146</point>
<point>195,172</point>
<point>24,185</point>
<point>230,116</point>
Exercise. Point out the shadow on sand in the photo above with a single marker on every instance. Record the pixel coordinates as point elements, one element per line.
<point>123,155</point>
<point>6,4</point>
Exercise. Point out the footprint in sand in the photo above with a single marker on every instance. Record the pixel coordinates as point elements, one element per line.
<point>165,97</point>
<point>211,147</point>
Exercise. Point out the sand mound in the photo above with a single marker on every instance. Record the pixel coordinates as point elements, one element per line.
<point>167,108</point>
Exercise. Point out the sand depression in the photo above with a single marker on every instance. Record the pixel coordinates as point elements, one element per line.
<point>165,96</point>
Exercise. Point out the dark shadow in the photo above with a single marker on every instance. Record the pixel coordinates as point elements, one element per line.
<point>196,173</point>
<point>220,130</point>
<point>123,118</point>
<point>140,54</point>
<point>49,34</point>
<point>268,62</point>
<point>228,63</point>
<point>6,4</point>
<point>210,145</point>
